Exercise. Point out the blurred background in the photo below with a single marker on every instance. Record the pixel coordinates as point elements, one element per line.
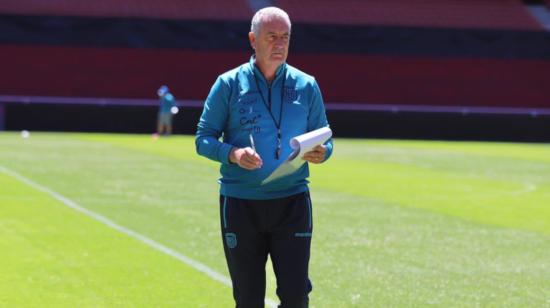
<point>430,69</point>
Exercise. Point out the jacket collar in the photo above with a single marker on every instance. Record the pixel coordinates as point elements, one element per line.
<point>255,70</point>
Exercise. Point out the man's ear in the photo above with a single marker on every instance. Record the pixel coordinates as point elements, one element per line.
<point>252,39</point>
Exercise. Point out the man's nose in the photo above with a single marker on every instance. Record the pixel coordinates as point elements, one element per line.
<point>280,42</point>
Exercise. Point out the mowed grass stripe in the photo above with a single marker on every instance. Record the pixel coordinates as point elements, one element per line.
<point>54,256</point>
<point>482,182</point>
<point>496,201</point>
<point>369,253</point>
<point>175,147</point>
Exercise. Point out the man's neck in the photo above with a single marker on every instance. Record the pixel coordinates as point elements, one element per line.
<point>267,71</point>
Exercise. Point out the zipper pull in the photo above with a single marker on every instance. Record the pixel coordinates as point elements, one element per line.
<point>278,151</point>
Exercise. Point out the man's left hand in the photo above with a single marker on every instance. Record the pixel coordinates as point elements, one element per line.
<point>317,155</point>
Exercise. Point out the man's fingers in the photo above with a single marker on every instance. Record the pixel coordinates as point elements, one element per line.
<point>320,148</point>
<point>248,166</point>
<point>250,159</point>
<point>247,163</point>
<point>249,151</point>
<point>314,156</point>
<point>314,160</point>
<point>253,160</point>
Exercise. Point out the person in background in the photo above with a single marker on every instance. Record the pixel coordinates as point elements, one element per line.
<point>167,109</point>
<point>257,108</point>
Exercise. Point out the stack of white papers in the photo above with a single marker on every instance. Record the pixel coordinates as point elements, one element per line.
<point>300,146</point>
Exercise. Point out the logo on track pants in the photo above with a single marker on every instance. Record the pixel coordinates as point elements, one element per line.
<point>231,240</point>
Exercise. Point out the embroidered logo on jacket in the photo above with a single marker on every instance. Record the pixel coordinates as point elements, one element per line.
<point>290,94</point>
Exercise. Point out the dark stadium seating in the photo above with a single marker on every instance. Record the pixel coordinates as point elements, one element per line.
<point>169,9</point>
<point>486,14</point>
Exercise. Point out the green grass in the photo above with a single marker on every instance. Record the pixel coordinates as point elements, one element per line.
<point>54,256</point>
<point>396,223</point>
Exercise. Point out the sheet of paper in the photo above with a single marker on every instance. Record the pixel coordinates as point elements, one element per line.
<point>300,145</point>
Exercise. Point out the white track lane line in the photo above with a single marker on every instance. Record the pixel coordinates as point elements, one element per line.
<point>183,258</point>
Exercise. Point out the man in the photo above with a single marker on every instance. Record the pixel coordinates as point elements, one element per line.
<point>167,109</point>
<point>257,108</point>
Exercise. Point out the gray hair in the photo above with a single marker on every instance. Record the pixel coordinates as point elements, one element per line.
<point>267,12</point>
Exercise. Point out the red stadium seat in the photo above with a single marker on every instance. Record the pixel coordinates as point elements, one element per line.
<point>169,9</point>
<point>490,14</point>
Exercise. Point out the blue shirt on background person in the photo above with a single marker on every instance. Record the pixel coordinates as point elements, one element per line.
<point>167,109</point>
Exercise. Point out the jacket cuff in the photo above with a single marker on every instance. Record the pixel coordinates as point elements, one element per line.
<point>223,153</point>
<point>328,153</point>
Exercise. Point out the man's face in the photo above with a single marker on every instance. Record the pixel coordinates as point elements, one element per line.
<point>271,45</point>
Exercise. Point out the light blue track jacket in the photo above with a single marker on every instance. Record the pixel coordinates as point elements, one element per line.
<point>235,109</point>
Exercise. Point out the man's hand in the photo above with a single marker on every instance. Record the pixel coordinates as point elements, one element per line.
<point>317,155</point>
<point>246,158</point>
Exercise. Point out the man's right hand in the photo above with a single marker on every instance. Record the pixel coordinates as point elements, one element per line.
<point>246,158</point>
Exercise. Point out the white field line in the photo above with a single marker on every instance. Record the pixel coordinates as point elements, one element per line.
<point>183,258</point>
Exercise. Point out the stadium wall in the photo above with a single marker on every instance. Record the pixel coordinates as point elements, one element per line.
<point>357,124</point>
<point>344,78</point>
<point>358,67</point>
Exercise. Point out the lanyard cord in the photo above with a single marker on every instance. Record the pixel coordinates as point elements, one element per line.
<point>277,124</point>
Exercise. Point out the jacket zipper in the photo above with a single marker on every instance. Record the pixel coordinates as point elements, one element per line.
<point>269,95</point>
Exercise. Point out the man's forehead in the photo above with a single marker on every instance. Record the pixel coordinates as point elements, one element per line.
<point>275,25</point>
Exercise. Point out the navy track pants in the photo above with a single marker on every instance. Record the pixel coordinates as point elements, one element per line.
<point>282,228</point>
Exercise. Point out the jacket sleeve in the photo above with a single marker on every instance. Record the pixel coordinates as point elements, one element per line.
<point>318,118</point>
<point>212,124</point>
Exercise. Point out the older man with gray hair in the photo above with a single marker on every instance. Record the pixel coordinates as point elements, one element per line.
<point>256,109</point>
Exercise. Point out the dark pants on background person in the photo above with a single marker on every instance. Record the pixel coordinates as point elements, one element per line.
<point>252,229</point>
